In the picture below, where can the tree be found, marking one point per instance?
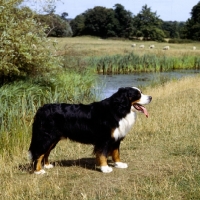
(56, 25)
(64, 15)
(103, 22)
(99, 21)
(78, 25)
(124, 19)
(172, 29)
(24, 47)
(192, 26)
(148, 25)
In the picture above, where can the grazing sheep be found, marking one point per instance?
(133, 45)
(194, 48)
(152, 46)
(166, 48)
(141, 46)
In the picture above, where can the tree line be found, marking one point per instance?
(119, 22)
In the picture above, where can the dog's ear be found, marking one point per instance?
(121, 100)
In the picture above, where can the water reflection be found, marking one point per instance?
(108, 84)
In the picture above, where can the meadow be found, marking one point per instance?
(119, 57)
(162, 152)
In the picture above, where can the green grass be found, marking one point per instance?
(19, 102)
(130, 63)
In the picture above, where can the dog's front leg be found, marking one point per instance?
(102, 161)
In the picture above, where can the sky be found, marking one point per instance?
(167, 10)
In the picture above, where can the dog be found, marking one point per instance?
(103, 124)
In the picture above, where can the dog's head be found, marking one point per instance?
(133, 97)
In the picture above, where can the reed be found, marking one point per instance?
(19, 102)
(130, 63)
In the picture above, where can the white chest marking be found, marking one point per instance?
(125, 125)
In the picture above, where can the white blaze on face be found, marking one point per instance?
(145, 99)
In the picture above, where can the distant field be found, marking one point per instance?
(93, 46)
(109, 56)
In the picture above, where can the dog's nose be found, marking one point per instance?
(150, 98)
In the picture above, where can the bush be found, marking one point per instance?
(57, 27)
(24, 47)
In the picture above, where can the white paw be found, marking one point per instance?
(49, 166)
(39, 172)
(121, 165)
(106, 169)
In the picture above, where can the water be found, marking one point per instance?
(109, 84)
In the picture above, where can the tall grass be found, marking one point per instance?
(19, 102)
(129, 63)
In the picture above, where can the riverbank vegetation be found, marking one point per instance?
(120, 57)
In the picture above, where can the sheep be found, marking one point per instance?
(152, 46)
(194, 48)
(141, 46)
(166, 48)
(133, 45)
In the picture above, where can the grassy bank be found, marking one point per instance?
(20, 100)
(163, 154)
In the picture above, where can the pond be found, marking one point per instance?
(109, 84)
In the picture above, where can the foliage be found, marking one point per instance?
(192, 26)
(78, 25)
(124, 19)
(103, 22)
(148, 25)
(131, 63)
(99, 21)
(24, 49)
(172, 29)
(58, 26)
(20, 100)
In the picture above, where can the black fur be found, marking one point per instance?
(88, 124)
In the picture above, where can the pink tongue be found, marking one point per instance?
(144, 110)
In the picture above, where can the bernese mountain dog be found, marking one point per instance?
(103, 124)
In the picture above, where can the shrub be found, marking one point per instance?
(24, 47)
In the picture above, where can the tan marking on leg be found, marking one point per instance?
(101, 160)
(115, 155)
(39, 163)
